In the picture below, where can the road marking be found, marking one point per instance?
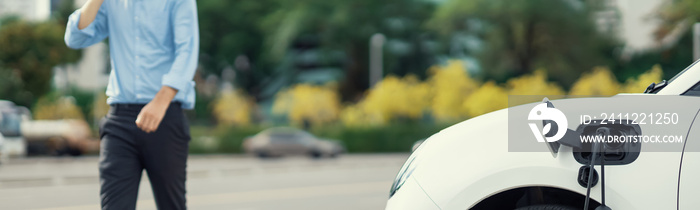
(263, 195)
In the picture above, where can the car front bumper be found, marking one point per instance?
(411, 196)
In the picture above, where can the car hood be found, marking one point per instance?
(459, 156)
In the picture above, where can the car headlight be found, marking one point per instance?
(405, 172)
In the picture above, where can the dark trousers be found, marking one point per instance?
(126, 150)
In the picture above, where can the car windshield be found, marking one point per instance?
(684, 70)
(656, 90)
(282, 135)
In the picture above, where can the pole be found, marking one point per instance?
(696, 41)
(376, 44)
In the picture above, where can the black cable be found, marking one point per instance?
(602, 179)
(590, 174)
(602, 175)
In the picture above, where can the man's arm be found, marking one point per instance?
(186, 40)
(87, 25)
(88, 13)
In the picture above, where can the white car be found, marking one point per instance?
(501, 160)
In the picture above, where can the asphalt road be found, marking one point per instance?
(214, 182)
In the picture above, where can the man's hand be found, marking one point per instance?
(152, 114)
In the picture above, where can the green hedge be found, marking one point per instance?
(397, 137)
(222, 139)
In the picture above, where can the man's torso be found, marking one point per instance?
(142, 49)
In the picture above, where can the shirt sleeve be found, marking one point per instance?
(186, 42)
(95, 32)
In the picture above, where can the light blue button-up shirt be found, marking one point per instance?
(152, 43)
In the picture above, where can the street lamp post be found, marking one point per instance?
(376, 45)
(696, 41)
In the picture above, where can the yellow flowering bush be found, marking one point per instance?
(391, 98)
(48, 108)
(308, 103)
(450, 86)
(639, 84)
(487, 98)
(101, 108)
(533, 84)
(600, 82)
(449, 94)
(396, 97)
(233, 107)
(354, 116)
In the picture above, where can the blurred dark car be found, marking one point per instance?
(282, 141)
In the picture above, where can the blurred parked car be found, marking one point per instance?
(58, 137)
(282, 141)
(11, 116)
(2, 139)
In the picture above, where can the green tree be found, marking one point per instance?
(522, 36)
(676, 49)
(347, 26)
(676, 13)
(231, 30)
(261, 40)
(11, 88)
(29, 52)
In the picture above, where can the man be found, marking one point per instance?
(154, 46)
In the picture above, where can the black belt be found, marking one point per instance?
(120, 107)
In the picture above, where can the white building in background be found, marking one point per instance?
(631, 21)
(638, 23)
(33, 10)
(90, 73)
